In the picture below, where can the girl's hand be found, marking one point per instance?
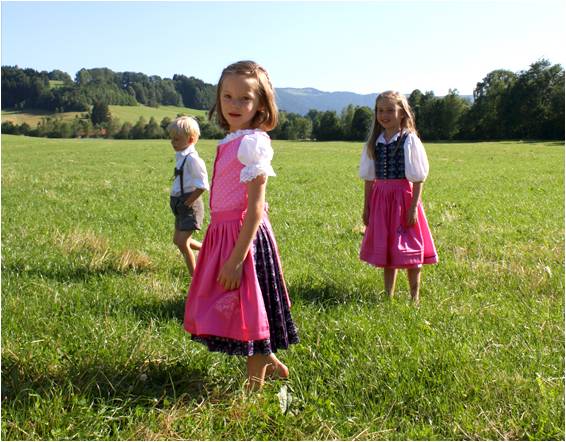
(365, 216)
(411, 216)
(230, 275)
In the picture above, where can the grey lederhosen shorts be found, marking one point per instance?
(187, 218)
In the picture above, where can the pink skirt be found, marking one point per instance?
(388, 241)
(210, 310)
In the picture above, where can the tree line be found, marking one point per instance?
(56, 91)
(506, 105)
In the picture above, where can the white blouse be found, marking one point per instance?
(194, 172)
(416, 161)
(255, 153)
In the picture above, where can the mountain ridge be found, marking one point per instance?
(301, 100)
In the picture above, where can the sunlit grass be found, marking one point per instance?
(93, 298)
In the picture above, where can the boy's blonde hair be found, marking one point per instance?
(266, 118)
(407, 123)
(184, 125)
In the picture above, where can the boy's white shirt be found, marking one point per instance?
(194, 171)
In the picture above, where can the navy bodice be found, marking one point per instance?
(390, 160)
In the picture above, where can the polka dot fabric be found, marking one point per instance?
(227, 192)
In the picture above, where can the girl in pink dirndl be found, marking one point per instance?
(394, 166)
(238, 302)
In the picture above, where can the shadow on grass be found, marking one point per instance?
(327, 294)
(323, 295)
(73, 273)
(151, 385)
(551, 143)
(168, 309)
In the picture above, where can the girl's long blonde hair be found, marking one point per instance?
(407, 123)
(266, 118)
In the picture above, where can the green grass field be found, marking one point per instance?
(93, 297)
(123, 113)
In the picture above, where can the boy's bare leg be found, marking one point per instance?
(414, 276)
(195, 245)
(389, 278)
(182, 239)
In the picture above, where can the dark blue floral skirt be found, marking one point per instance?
(282, 330)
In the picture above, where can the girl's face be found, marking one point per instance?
(239, 101)
(389, 115)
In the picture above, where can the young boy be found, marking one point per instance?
(191, 180)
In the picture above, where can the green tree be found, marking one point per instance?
(138, 131)
(415, 101)
(529, 106)
(361, 123)
(25, 128)
(196, 93)
(329, 128)
(209, 130)
(153, 130)
(125, 131)
(428, 122)
(100, 113)
(81, 127)
(452, 109)
(484, 119)
(111, 127)
(303, 128)
(165, 122)
(346, 117)
(8, 127)
(60, 76)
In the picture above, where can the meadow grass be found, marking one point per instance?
(123, 113)
(93, 297)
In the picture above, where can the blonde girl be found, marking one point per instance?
(394, 166)
(238, 302)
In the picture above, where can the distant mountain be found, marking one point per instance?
(301, 100)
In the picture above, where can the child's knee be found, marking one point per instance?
(182, 240)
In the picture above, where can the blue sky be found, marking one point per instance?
(362, 47)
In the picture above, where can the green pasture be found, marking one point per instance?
(55, 84)
(133, 113)
(123, 113)
(93, 297)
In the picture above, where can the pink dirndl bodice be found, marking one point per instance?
(210, 310)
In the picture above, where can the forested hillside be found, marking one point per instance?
(57, 91)
(527, 105)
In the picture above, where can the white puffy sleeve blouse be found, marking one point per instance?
(255, 153)
(416, 161)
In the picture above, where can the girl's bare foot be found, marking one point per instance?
(276, 369)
